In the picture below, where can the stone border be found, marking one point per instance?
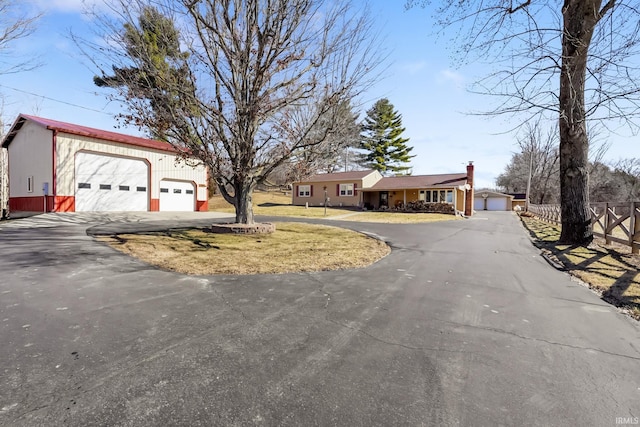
(257, 228)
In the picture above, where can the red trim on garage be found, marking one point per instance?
(202, 205)
(155, 205)
(65, 204)
(54, 143)
(29, 204)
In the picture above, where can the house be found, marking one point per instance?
(63, 167)
(487, 200)
(369, 189)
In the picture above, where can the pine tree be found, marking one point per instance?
(385, 149)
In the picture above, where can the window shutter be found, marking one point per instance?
(337, 189)
(311, 190)
(297, 190)
(355, 188)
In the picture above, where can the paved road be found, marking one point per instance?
(462, 324)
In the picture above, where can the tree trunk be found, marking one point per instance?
(580, 18)
(244, 202)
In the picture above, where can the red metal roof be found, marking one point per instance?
(86, 131)
(338, 176)
(419, 181)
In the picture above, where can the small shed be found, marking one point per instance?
(485, 200)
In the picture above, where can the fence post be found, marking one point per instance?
(634, 228)
(607, 241)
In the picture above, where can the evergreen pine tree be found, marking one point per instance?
(385, 150)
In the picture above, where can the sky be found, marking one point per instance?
(420, 80)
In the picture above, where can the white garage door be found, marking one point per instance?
(177, 196)
(497, 204)
(107, 183)
(478, 204)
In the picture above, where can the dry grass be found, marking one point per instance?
(399, 217)
(612, 273)
(293, 247)
(276, 204)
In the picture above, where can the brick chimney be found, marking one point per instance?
(468, 204)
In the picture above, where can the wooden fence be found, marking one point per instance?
(614, 222)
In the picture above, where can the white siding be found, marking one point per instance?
(30, 155)
(109, 183)
(162, 164)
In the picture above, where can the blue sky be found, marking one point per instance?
(420, 82)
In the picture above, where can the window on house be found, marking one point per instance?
(449, 196)
(422, 196)
(189, 191)
(30, 184)
(442, 196)
(84, 185)
(434, 196)
(164, 190)
(123, 188)
(177, 191)
(304, 191)
(105, 186)
(346, 189)
(141, 188)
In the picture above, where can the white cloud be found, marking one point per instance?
(413, 68)
(452, 77)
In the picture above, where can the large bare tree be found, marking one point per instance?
(577, 59)
(251, 86)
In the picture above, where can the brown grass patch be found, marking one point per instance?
(276, 204)
(294, 247)
(615, 275)
(399, 217)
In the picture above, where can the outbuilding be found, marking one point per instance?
(63, 167)
(485, 200)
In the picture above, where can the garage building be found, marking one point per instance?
(62, 167)
(485, 200)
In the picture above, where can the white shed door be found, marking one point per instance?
(478, 204)
(497, 204)
(107, 183)
(177, 196)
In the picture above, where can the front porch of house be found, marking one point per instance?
(401, 199)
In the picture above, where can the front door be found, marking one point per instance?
(384, 198)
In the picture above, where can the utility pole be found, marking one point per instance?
(526, 202)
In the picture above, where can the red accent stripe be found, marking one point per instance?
(155, 205)
(202, 205)
(64, 203)
(54, 142)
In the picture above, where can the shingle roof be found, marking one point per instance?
(338, 176)
(419, 181)
(86, 131)
(478, 194)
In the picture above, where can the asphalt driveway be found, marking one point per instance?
(462, 324)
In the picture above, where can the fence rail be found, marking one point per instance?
(614, 222)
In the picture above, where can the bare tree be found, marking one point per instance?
(15, 24)
(539, 157)
(256, 79)
(628, 172)
(577, 59)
